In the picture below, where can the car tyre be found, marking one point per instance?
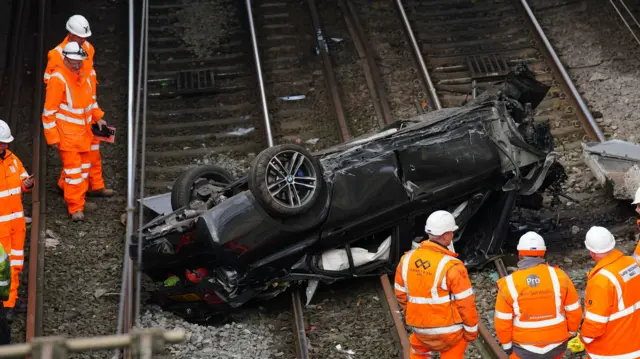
(182, 191)
(281, 189)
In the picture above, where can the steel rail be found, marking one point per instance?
(418, 54)
(328, 70)
(302, 348)
(263, 94)
(588, 121)
(377, 88)
(39, 196)
(633, 33)
(143, 157)
(126, 265)
(394, 309)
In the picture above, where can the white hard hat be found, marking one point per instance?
(531, 244)
(636, 200)
(74, 51)
(5, 133)
(440, 222)
(599, 240)
(79, 26)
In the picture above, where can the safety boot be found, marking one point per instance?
(77, 216)
(103, 192)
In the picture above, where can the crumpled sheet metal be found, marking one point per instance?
(616, 166)
(439, 126)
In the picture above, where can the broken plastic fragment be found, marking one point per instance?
(312, 285)
(293, 98)
(242, 131)
(171, 281)
(494, 276)
(312, 141)
(346, 351)
(51, 243)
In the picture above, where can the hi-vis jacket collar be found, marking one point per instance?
(437, 248)
(6, 154)
(610, 258)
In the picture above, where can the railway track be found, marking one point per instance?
(201, 108)
(451, 55)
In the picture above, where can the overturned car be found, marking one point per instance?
(353, 209)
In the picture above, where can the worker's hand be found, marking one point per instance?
(469, 336)
(28, 182)
(56, 145)
(101, 123)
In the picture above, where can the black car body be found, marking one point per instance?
(370, 200)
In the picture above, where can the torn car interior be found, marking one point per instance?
(351, 210)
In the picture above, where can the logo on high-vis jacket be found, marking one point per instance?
(424, 264)
(533, 281)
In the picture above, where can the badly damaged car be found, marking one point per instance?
(351, 210)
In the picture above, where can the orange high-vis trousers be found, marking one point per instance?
(74, 178)
(419, 351)
(14, 245)
(96, 182)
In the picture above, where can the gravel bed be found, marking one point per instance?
(255, 333)
(350, 315)
(602, 59)
(203, 25)
(358, 107)
(83, 260)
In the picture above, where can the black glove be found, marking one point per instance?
(104, 132)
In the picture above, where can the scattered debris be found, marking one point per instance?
(346, 351)
(51, 243)
(614, 163)
(99, 292)
(598, 77)
(293, 98)
(242, 131)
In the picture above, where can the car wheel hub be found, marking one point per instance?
(291, 179)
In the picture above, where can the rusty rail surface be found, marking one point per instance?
(588, 122)
(39, 195)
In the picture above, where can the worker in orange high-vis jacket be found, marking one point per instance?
(433, 288)
(636, 202)
(68, 114)
(12, 223)
(612, 300)
(79, 31)
(537, 307)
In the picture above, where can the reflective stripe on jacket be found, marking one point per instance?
(11, 188)
(68, 108)
(612, 309)
(55, 59)
(537, 308)
(5, 274)
(434, 290)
